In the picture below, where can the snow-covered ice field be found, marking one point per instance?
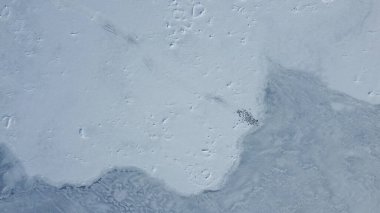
(189, 106)
(318, 151)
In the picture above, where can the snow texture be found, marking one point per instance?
(318, 151)
(168, 86)
(86, 86)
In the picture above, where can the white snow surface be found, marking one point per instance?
(86, 86)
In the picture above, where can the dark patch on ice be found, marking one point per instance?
(247, 117)
(216, 98)
(306, 157)
(129, 38)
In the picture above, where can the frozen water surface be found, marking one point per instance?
(318, 151)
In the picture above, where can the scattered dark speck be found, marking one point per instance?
(110, 28)
(247, 117)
